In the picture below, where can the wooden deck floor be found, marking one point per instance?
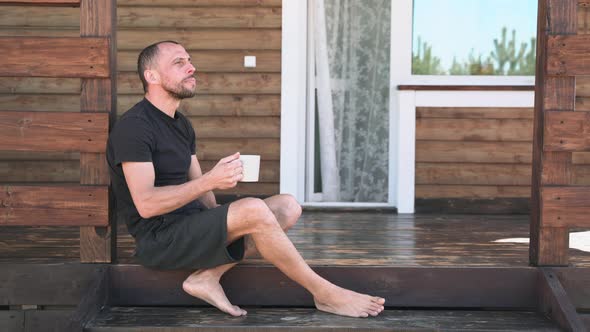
(337, 238)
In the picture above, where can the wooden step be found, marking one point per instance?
(118, 319)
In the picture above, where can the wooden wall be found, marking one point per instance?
(481, 153)
(473, 152)
(236, 109)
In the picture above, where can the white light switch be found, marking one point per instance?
(250, 61)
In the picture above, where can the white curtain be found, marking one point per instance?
(352, 78)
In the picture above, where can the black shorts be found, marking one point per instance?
(192, 241)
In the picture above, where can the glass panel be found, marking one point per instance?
(356, 47)
(474, 37)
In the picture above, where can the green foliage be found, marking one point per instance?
(503, 60)
(424, 63)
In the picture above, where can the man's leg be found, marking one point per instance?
(254, 218)
(204, 284)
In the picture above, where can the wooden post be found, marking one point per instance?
(98, 19)
(553, 92)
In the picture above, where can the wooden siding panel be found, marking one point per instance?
(473, 174)
(20, 16)
(36, 85)
(215, 149)
(581, 158)
(237, 127)
(200, 3)
(565, 206)
(54, 57)
(217, 105)
(30, 171)
(40, 32)
(45, 131)
(217, 61)
(43, 2)
(474, 129)
(567, 131)
(53, 206)
(203, 39)
(474, 113)
(466, 191)
(473, 152)
(40, 102)
(567, 55)
(199, 17)
(40, 156)
(215, 83)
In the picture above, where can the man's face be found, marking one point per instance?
(176, 71)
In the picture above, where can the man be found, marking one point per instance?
(170, 209)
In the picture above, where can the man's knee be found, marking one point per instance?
(292, 209)
(257, 213)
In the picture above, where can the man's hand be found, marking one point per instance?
(227, 172)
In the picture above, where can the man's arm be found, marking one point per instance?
(153, 201)
(195, 172)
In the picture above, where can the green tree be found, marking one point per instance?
(424, 63)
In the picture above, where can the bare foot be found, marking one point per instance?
(345, 302)
(205, 286)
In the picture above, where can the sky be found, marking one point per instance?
(454, 27)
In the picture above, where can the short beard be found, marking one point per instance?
(179, 92)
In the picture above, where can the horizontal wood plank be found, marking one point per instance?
(38, 156)
(50, 131)
(217, 148)
(580, 175)
(565, 206)
(202, 39)
(215, 83)
(30, 16)
(39, 171)
(473, 191)
(42, 2)
(473, 174)
(40, 102)
(217, 105)
(198, 17)
(54, 206)
(474, 152)
(201, 3)
(582, 103)
(219, 61)
(583, 85)
(474, 112)
(474, 130)
(566, 131)
(236, 127)
(568, 55)
(39, 85)
(581, 158)
(54, 57)
(70, 32)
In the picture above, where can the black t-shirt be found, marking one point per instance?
(146, 134)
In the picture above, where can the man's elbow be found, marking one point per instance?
(145, 211)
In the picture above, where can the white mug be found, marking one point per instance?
(251, 165)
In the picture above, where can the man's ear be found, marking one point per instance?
(151, 76)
